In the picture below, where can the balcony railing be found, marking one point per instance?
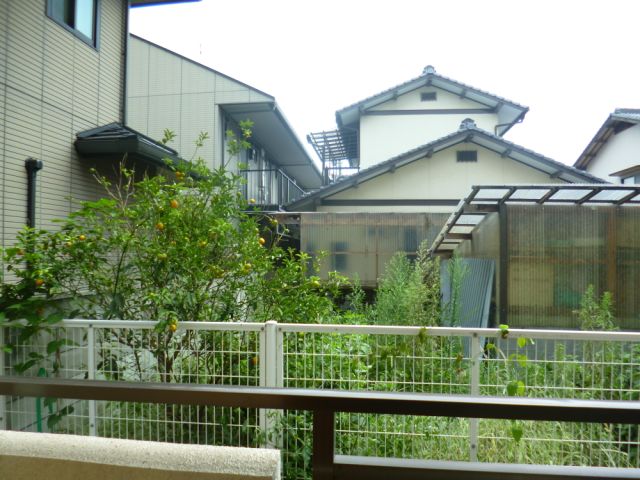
(325, 404)
(270, 187)
(479, 362)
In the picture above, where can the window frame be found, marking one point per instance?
(92, 42)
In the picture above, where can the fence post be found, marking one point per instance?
(270, 376)
(3, 399)
(91, 374)
(475, 390)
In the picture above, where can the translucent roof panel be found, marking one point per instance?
(469, 219)
(570, 195)
(490, 194)
(529, 194)
(610, 195)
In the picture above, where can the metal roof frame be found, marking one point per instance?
(486, 199)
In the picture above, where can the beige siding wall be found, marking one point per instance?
(52, 85)
(168, 91)
(440, 177)
(621, 151)
(383, 136)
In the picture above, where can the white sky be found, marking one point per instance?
(571, 61)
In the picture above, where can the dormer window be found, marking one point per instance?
(466, 156)
(80, 17)
(428, 96)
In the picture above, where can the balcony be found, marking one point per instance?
(450, 402)
(270, 188)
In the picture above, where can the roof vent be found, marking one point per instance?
(467, 123)
(429, 69)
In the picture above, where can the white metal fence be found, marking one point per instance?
(536, 363)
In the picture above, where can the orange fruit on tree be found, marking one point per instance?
(174, 203)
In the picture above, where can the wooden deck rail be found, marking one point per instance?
(326, 403)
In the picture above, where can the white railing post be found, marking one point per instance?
(91, 374)
(3, 399)
(270, 376)
(475, 390)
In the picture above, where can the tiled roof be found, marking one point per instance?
(620, 116)
(475, 135)
(510, 112)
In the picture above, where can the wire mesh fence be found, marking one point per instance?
(534, 363)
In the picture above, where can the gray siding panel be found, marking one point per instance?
(52, 85)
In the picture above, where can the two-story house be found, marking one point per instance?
(62, 71)
(420, 147)
(167, 90)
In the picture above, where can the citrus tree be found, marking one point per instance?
(180, 246)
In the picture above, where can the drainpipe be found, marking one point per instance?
(32, 165)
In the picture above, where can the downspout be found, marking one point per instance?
(125, 70)
(33, 166)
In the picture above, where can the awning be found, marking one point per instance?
(114, 141)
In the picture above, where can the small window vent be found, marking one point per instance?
(428, 96)
(467, 156)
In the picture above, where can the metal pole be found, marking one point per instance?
(270, 418)
(475, 390)
(91, 373)
(3, 399)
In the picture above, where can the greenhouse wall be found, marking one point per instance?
(555, 252)
(363, 243)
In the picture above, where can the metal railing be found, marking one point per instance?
(271, 187)
(479, 362)
(326, 404)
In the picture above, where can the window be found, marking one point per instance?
(467, 156)
(633, 179)
(78, 16)
(428, 97)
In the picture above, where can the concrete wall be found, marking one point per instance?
(439, 177)
(165, 90)
(620, 152)
(383, 136)
(34, 456)
(52, 85)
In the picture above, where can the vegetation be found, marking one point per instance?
(186, 246)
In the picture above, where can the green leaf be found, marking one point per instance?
(517, 431)
(515, 388)
(23, 367)
(522, 342)
(504, 330)
(522, 360)
(54, 318)
(53, 420)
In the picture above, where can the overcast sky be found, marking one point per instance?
(571, 62)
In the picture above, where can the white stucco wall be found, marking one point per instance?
(440, 177)
(620, 152)
(388, 135)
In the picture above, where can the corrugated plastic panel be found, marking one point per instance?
(363, 243)
(556, 252)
